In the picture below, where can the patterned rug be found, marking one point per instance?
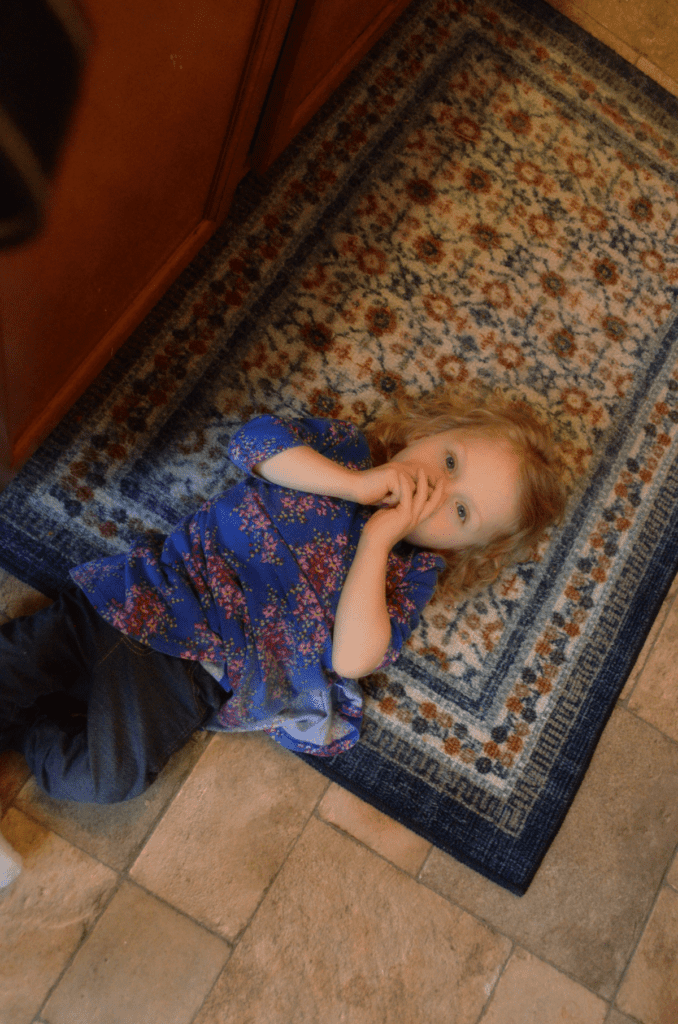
(493, 196)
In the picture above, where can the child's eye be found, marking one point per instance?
(451, 462)
(461, 512)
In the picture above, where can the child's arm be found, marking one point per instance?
(362, 628)
(304, 469)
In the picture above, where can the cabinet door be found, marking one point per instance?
(325, 41)
(171, 96)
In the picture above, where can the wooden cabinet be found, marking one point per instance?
(171, 99)
(326, 39)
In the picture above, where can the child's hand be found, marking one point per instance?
(382, 485)
(417, 502)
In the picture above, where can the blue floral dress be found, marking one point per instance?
(249, 586)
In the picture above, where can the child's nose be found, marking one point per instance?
(447, 484)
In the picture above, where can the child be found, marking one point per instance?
(264, 608)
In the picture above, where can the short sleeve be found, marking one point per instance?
(410, 585)
(266, 436)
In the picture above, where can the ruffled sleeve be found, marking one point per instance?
(266, 436)
(410, 583)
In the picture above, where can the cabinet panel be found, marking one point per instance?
(326, 40)
(161, 88)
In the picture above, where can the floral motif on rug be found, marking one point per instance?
(484, 200)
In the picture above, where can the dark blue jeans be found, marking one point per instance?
(96, 714)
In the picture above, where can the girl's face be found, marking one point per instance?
(481, 485)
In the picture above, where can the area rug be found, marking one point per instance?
(491, 196)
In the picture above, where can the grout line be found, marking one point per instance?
(156, 822)
(240, 936)
(292, 846)
(421, 870)
(365, 846)
(105, 904)
(135, 850)
(638, 669)
(519, 943)
(515, 944)
(641, 932)
(122, 877)
(615, 1009)
(500, 975)
(655, 728)
(182, 913)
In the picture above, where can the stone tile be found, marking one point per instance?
(649, 644)
(17, 598)
(143, 964)
(647, 26)
(532, 992)
(655, 695)
(13, 774)
(229, 829)
(381, 833)
(672, 874)
(581, 14)
(113, 833)
(615, 1017)
(584, 910)
(343, 936)
(650, 988)
(44, 914)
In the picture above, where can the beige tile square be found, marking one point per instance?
(143, 964)
(647, 26)
(343, 937)
(672, 874)
(585, 908)
(17, 598)
(655, 695)
(44, 914)
(648, 646)
(606, 31)
(532, 992)
(113, 833)
(650, 988)
(229, 829)
(616, 1017)
(381, 833)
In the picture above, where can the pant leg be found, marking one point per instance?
(41, 655)
(142, 705)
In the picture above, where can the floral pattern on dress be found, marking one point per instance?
(252, 580)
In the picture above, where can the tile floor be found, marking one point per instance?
(245, 889)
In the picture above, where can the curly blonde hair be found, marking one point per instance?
(490, 413)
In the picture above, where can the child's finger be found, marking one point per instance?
(421, 493)
(434, 501)
(407, 490)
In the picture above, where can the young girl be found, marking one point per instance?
(264, 608)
